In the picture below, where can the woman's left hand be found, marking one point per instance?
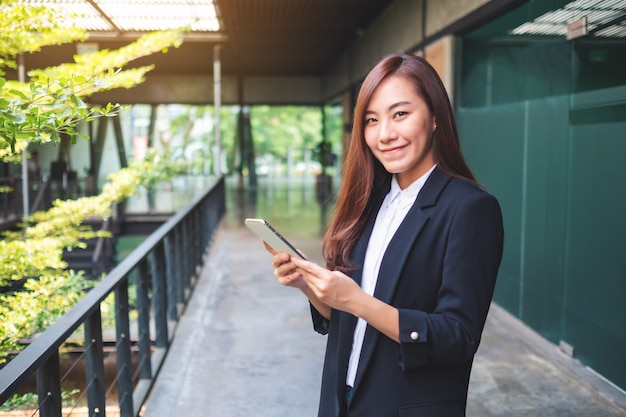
(337, 290)
(333, 288)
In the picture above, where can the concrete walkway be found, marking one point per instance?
(245, 348)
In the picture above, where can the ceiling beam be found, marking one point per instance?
(104, 36)
(616, 21)
(103, 15)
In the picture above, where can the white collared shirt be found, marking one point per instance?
(392, 212)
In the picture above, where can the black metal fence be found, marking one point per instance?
(10, 201)
(42, 191)
(164, 269)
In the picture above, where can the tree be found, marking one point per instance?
(51, 102)
(49, 105)
(33, 256)
(277, 128)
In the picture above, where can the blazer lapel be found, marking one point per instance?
(396, 255)
(400, 245)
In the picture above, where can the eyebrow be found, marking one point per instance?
(393, 106)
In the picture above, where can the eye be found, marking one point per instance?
(400, 114)
(370, 120)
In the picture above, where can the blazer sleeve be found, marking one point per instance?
(471, 256)
(320, 323)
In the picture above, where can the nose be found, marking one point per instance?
(387, 131)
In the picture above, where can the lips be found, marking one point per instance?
(390, 150)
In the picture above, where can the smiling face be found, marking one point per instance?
(398, 129)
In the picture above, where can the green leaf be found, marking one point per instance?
(18, 118)
(19, 94)
(52, 101)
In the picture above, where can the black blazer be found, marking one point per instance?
(439, 270)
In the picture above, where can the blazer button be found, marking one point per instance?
(414, 335)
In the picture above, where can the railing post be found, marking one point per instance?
(49, 387)
(94, 365)
(5, 205)
(199, 229)
(207, 221)
(124, 359)
(143, 320)
(159, 295)
(173, 283)
(187, 261)
(192, 232)
(179, 266)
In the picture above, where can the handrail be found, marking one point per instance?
(41, 194)
(10, 200)
(100, 252)
(165, 267)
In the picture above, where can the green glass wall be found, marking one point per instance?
(543, 125)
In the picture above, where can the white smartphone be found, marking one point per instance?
(272, 237)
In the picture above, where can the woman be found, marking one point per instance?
(412, 255)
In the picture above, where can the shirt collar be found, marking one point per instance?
(409, 194)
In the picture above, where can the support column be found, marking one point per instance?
(119, 140)
(21, 71)
(217, 99)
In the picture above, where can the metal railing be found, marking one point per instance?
(10, 201)
(164, 269)
(42, 192)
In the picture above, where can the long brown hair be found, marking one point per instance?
(363, 174)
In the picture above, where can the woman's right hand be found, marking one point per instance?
(284, 269)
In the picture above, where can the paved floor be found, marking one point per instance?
(245, 347)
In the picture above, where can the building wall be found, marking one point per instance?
(404, 25)
(542, 123)
(199, 90)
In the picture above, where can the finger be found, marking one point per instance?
(290, 279)
(281, 258)
(269, 248)
(308, 266)
(312, 280)
(284, 269)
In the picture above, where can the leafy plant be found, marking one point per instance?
(43, 109)
(17, 401)
(30, 400)
(52, 102)
(33, 256)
